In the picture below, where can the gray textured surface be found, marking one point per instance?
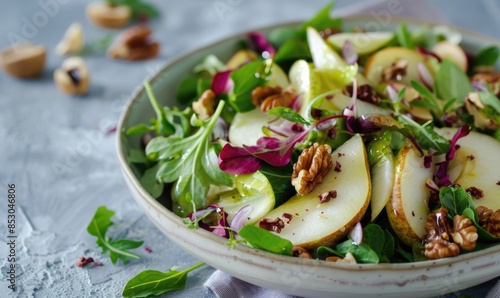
(58, 152)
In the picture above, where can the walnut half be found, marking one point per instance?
(267, 97)
(444, 239)
(204, 106)
(489, 220)
(311, 167)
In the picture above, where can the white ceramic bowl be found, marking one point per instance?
(311, 278)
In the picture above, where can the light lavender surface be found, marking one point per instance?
(58, 152)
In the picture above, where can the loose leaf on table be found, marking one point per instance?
(451, 82)
(246, 79)
(118, 249)
(154, 283)
(265, 240)
(190, 161)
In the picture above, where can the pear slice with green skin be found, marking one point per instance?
(324, 57)
(381, 163)
(476, 164)
(364, 42)
(251, 189)
(313, 223)
(278, 77)
(407, 208)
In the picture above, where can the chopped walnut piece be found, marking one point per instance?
(134, 44)
(396, 71)
(267, 97)
(273, 225)
(204, 106)
(444, 239)
(300, 252)
(489, 220)
(475, 192)
(311, 167)
(348, 259)
(327, 196)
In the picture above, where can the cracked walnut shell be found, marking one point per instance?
(312, 166)
(134, 44)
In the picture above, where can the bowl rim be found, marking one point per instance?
(128, 173)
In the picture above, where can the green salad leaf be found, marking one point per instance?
(138, 7)
(487, 56)
(451, 82)
(265, 240)
(190, 162)
(322, 21)
(246, 79)
(404, 37)
(150, 283)
(118, 249)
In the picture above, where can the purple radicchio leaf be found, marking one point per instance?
(261, 44)
(442, 177)
(221, 226)
(428, 53)
(222, 83)
(237, 160)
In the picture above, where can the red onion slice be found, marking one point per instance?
(240, 218)
(392, 93)
(356, 234)
(349, 53)
(425, 76)
(428, 53)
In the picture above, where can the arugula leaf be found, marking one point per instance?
(190, 161)
(139, 130)
(246, 79)
(118, 249)
(288, 114)
(322, 21)
(154, 283)
(487, 56)
(428, 99)
(451, 82)
(265, 240)
(427, 138)
(404, 37)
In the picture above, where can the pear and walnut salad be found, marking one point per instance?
(334, 143)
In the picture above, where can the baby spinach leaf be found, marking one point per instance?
(487, 56)
(118, 249)
(388, 249)
(246, 79)
(451, 82)
(151, 184)
(363, 253)
(154, 283)
(455, 199)
(293, 50)
(374, 237)
(279, 177)
(186, 91)
(491, 100)
(265, 240)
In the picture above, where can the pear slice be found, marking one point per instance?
(363, 42)
(407, 208)
(476, 164)
(246, 128)
(381, 60)
(313, 223)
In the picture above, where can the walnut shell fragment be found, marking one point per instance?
(73, 77)
(108, 16)
(23, 60)
(134, 44)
